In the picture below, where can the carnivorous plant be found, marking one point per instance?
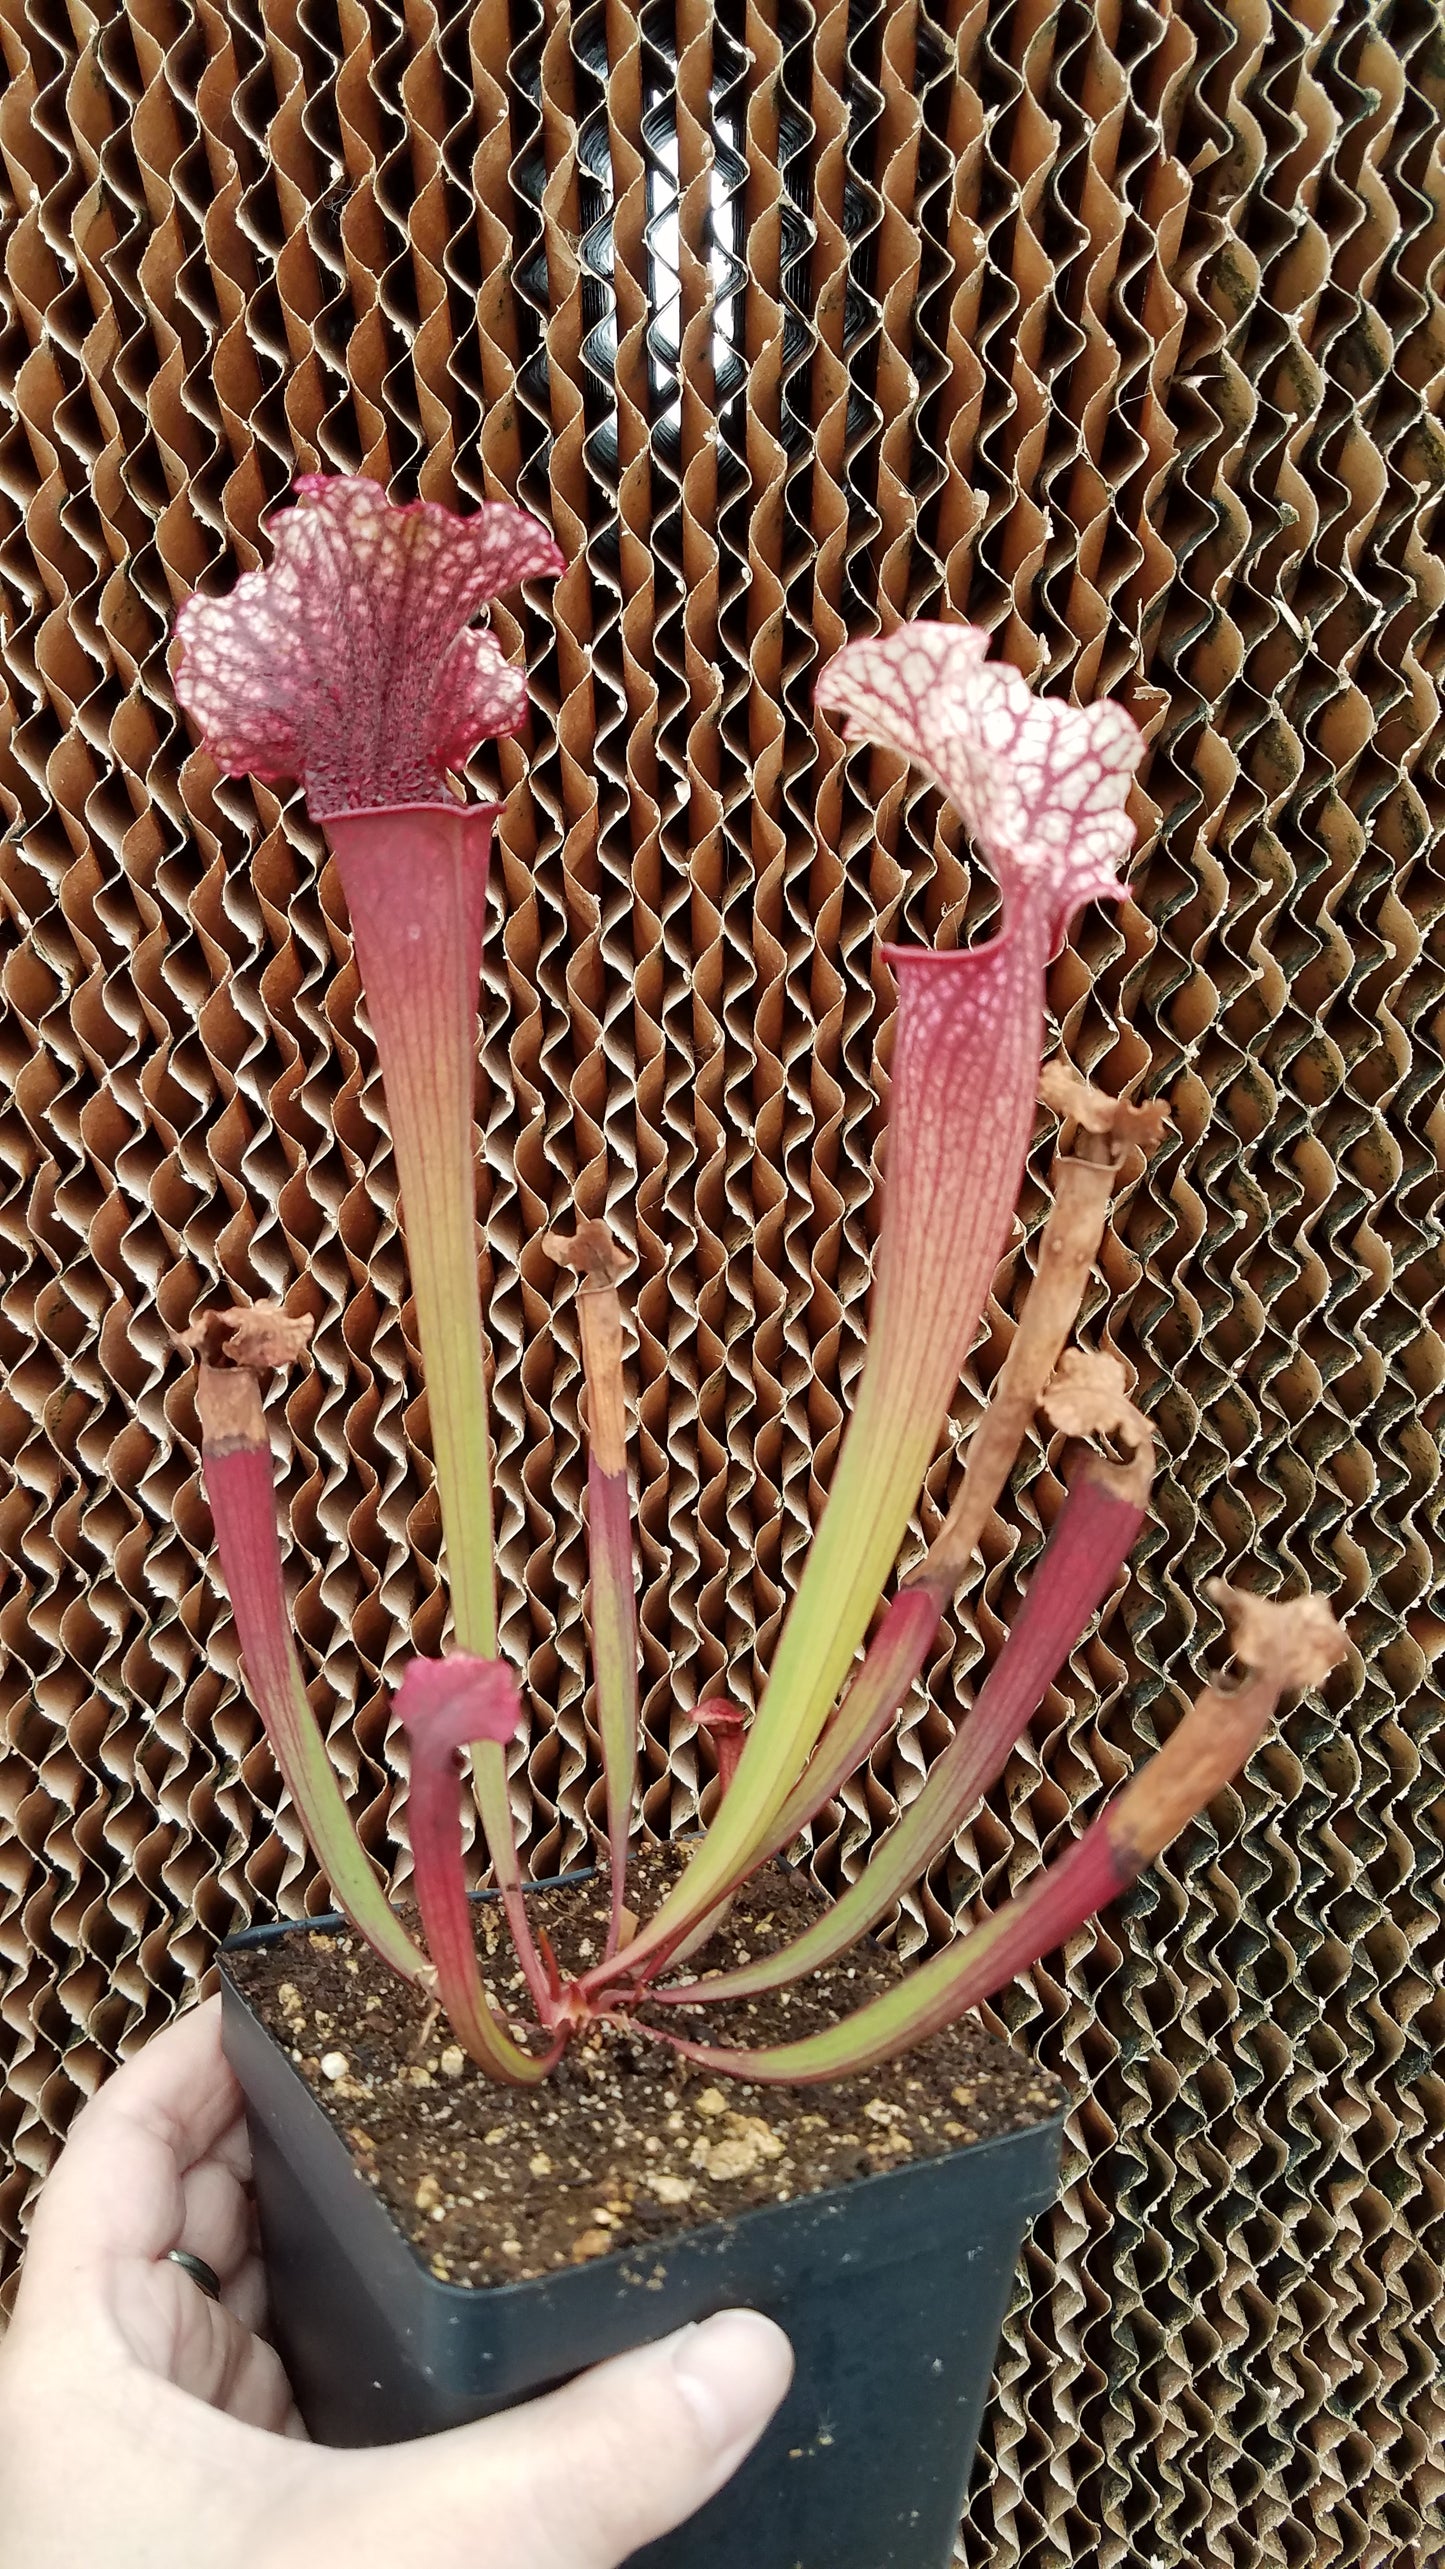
(351, 665)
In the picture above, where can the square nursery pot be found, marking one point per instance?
(892, 2289)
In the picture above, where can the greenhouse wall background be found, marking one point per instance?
(1119, 330)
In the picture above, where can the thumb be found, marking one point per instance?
(586, 2476)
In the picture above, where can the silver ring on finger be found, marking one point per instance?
(198, 2270)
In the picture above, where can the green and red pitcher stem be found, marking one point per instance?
(597, 1261)
(415, 881)
(1092, 1872)
(1211, 1743)
(448, 1705)
(612, 1583)
(489, 1784)
(965, 1074)
(240, 1484)
(868, 1710)
(1097, 1527)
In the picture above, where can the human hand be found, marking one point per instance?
(144, 2426)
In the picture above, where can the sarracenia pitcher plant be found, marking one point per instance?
(351, 665)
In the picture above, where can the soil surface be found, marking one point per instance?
(626, 2142)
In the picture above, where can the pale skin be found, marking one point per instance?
(143, 2426)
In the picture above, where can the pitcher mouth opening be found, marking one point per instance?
(452, 807)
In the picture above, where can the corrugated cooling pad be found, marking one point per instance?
(1118, 329)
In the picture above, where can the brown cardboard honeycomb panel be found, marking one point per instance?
(1118, 329)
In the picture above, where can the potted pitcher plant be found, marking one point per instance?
(497, 2139)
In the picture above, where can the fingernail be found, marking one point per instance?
(732, 2371)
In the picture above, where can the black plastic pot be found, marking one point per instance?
(892, 2290)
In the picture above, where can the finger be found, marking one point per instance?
(225, 2364)
(258, 2392)
(181, 2085)
(175, 2331)
(233, 2149)
(246, 2296)
(216, 2219)
(116, 2187)
(585, 2477)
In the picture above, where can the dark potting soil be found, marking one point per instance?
(626, 2142)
